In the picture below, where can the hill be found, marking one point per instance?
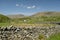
(45, 17)
(39, 17)
(16, 16)
(46, 14)
(4, 18)
(36, 18)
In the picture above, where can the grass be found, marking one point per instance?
(4, 24)
(26, 24)
(41, 37)
(34, 21)
(38, 19)
(54, 37)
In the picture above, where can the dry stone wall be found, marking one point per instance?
(26, 33)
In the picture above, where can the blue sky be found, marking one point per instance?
(28, 7)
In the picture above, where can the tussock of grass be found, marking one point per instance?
(54, 37)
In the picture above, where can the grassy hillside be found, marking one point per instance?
(46, 14)
(4, 18)
(39, 18)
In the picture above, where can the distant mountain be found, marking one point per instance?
(4, 18)
(35, 15)
(16, 16)
(46, 14)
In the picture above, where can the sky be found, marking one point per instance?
(28, 7)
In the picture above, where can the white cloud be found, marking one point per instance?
(24, 6)
(31, 7)
(17, 5)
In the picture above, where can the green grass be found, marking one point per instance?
(54, 37)
(38, 19)
(4, 24)
(4, 18)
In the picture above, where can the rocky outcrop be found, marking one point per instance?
(26, 33)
